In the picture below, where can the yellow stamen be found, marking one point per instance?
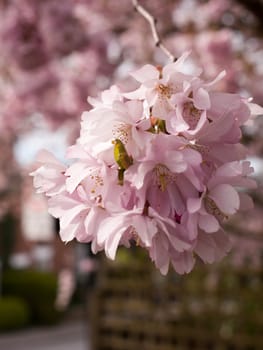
(163, 176)
(213, 209)
(122, 131)
(164, 90)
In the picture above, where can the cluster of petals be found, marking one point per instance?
(161, 167)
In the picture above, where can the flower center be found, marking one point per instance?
(163, 176)
(164, 90)
(191, 115)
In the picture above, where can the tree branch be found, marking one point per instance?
(153, 21)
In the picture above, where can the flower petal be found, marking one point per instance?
(208, 223)
(146, 73)
(194, 204)
(201, 99)
(226, 198)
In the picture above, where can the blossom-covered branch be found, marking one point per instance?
(153, 21)
(160, 166)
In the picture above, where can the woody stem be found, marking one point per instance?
(153, 21)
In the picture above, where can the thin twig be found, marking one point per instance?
(153, 21)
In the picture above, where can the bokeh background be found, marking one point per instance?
(53, 55)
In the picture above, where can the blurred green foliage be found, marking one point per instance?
(14, 313)
(38, 289)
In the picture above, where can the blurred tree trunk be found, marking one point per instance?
(7, 238)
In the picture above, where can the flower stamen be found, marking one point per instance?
(204, 150)
(213, 209)
(163, 176)
(191, 114)
(121, 131)
(164, 91)
(96, 180)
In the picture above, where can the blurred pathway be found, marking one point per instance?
(70, 334)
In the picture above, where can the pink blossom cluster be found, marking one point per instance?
(161, 166)
(51, 59)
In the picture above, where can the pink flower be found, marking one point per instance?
(163, 252)
(166, 175)
(123, 120)
(186, 118)
(214, 206)
(213, 247)
(75, 212)
(159, 84)
(191, 107)
(221, 199)
(50, 177)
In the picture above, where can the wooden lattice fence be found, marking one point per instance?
(213, 308)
